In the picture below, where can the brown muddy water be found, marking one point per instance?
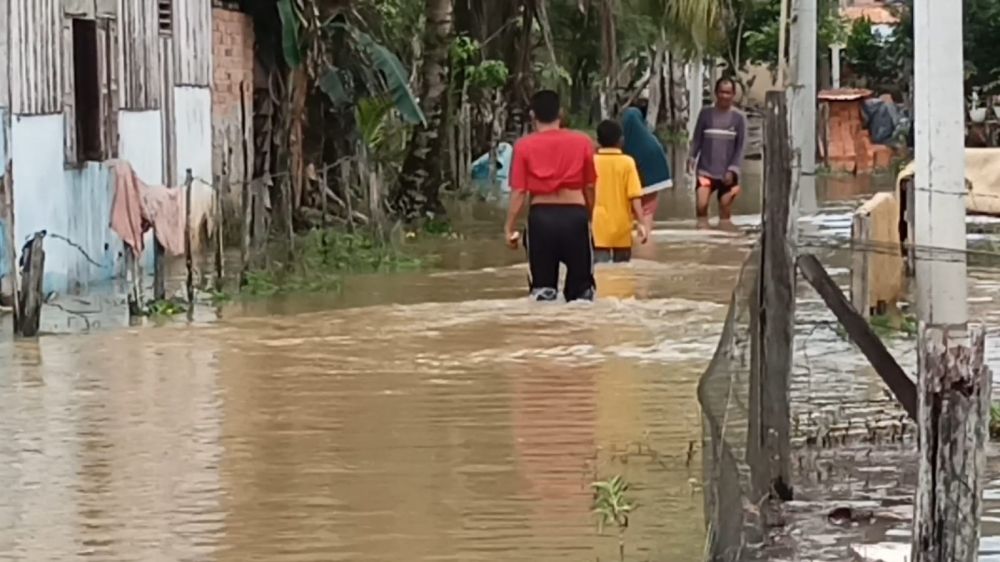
(426, 416)
(411, 417)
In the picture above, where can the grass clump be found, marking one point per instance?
(321, 257)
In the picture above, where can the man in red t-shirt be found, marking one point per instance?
(553, 171)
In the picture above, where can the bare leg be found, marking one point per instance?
(726, 205)
(704, 198)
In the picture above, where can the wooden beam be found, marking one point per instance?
(861, 333)
(775, 328)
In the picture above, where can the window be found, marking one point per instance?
(87, 91)
(165, 12)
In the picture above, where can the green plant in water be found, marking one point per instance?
(889, 325)
(612, 507)
(166, 308)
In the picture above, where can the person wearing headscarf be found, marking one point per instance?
(651, 159)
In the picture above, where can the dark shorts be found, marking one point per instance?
(612, 255)
(560, 234)
(718, 186)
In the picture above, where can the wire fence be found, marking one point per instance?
(732, 511)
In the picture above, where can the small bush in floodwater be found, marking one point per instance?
(612, 507)
(167, 308)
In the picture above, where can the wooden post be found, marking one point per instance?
(31, 294)
(11, 245)
(954, 389)
(771, 431)
(222, 187)
(953, 386)
(259, 188)
(247, 204)
(188, 258)
(133, 283)
(860, 263)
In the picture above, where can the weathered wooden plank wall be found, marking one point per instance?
(167, 111)
(4, 56)
(193, 43)
(138, 50)
(36, 57)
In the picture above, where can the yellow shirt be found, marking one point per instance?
(617, 184)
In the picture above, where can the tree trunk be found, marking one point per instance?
(422, 174)
(656, 84)
(609, 59)
(678, 93)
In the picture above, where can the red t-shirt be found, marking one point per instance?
(548, 161)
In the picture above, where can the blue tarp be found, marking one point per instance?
(481, 166)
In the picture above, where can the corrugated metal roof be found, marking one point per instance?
(844, 94)
(876, 14)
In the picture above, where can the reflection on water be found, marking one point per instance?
(431, 416)
(418, 416)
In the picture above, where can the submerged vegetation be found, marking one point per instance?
(321, 257)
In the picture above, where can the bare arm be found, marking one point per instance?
(696, 138)
(736, 162)
(590, 196)
(518, 199)
(637, 209)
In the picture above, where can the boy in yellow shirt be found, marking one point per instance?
(618, 198)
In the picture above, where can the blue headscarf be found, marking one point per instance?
(649, 155)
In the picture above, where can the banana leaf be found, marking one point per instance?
(289, 33)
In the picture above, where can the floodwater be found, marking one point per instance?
(426, 416)
(414, 417)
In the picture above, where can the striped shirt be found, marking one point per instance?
(718, 142)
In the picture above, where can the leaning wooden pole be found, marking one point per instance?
(774, 328)
(188, 251)
(953, 386)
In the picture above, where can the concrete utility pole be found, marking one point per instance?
(802, 101)
(835, 50)
(953, 385)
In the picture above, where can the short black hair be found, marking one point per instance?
(609, 133)
(724, 80)
(545, 105)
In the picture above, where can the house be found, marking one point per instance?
(86, 81)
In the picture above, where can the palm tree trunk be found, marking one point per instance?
(656, 84)
(422, 174)
(609, 59)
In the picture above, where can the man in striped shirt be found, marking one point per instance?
(717, 151)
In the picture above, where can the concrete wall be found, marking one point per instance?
(76, 202)
(232, 96)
